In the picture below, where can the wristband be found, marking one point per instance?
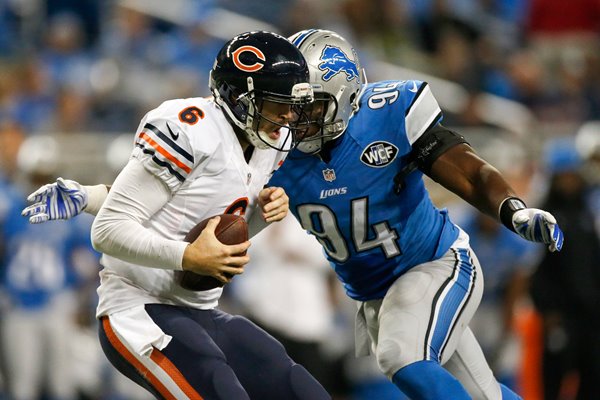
(508, 207)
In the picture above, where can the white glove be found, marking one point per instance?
(538, 226)
(63, 199)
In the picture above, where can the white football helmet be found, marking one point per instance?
(336, 78)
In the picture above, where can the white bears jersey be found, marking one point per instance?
(193, 149)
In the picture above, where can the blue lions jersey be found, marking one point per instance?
(370, 234)
(38, 259)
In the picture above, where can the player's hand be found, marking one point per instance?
(538, 226)
(62, 199)
(274, 204)
(207, 256)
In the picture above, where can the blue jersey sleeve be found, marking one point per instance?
(407, 106)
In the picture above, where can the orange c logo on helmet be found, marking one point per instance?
(248, 67)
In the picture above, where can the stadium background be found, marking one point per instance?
(513, 76)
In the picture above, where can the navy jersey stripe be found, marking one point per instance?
(168, 141)
(169, 167)
(164, 164)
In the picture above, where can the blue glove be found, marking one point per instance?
(538, 226)
(63, 199)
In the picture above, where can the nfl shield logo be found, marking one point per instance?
(329, 175)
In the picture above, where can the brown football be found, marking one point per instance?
(232, 229)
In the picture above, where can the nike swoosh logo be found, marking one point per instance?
(413, 89)
(175, 136)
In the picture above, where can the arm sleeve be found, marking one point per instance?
(96, 196)
(425, 150)
(256, 223)
(118, 228)
(432, 144)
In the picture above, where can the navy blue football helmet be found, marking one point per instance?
(255, 67)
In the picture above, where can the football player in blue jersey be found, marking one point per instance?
(355, 181)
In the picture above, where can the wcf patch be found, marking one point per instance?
(379, 154)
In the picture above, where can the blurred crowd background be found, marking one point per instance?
(519, 78)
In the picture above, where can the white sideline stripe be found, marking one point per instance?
(421, 115)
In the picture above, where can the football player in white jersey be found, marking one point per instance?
(192, 159)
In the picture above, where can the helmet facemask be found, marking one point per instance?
(322, 123)
(247, 112)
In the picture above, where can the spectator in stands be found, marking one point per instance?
(566, 286)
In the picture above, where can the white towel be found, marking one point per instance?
(138, 330)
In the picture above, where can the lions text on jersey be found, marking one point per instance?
(370, 234)
(192, 148)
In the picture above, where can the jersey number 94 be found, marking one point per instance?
(320, 220)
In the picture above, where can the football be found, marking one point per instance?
(232, 229)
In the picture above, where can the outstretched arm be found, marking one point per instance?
(463, 172)
(64, 199)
